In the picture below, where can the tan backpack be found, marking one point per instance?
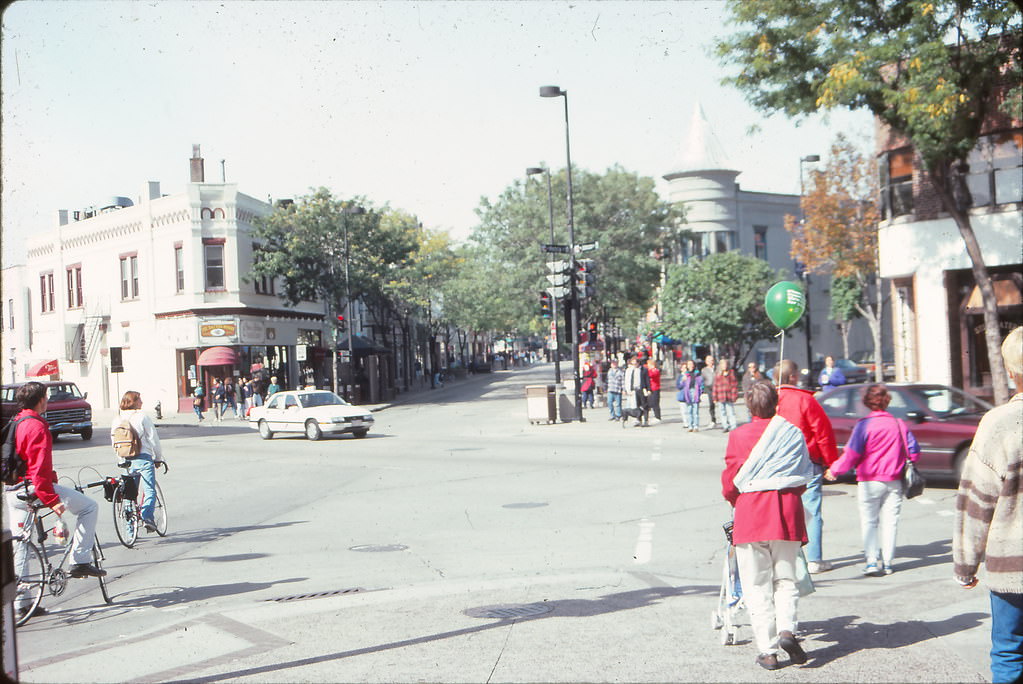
(127, 443)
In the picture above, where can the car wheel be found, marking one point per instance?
(959, 461)
(87, 434)
(264, 430)
(312, 430)
(359, 434)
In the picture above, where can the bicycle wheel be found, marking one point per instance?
(97, 558)
(31, 582)
(160, 512)
(125, 521)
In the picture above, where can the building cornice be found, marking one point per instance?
(241, 311)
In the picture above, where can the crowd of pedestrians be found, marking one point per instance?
(225, 394)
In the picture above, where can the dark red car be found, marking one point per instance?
(943, 419)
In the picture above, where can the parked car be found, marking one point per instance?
(67, 410)
(314, 412)
(866, 359)
(943, 419)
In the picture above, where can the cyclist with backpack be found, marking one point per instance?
(134, 438)
(34, 444)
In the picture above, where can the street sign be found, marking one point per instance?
(344, 355)
(558, 292)
(587, 247)
(556, 249)
(558, 279)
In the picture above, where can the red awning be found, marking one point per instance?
(39, 368)
(219, 356)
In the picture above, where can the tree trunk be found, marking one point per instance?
(843, 328)
(992, 335)
(872, 313)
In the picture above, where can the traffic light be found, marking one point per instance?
(545, 305)
(585, 278)
(341, 325)
(560, 277)
(593, 331)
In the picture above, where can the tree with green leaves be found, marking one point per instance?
(719, 301)
(845, 296)
(618, 209)
(932, 71)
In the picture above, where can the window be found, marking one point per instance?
(213, 255)
(129, 276)
(896, 172)
(996, 169)
(263, 284)
(47, 296)
(74, 286)
(760, 242)
(179, 268)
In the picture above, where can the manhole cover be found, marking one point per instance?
(509, 611)
(318, 594)
(526, 504)
(378, 548)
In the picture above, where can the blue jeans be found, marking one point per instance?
(614, 404)
(587, 398)
(143, 465)
(694, 415)
(812, 512)
(727, 414)
(1006, 637)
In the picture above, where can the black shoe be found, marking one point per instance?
(86, 570)
(23, 611)
(768, 661)
(150, 525)
(792, 647)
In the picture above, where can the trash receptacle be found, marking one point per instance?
(540, 407)
(566, 403)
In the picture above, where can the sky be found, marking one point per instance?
(426, 106)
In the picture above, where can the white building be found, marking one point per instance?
(725, 217)
(159, 282)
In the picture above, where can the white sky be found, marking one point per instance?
(426, 105)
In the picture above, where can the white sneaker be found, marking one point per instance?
(815, 567)
(655, 420)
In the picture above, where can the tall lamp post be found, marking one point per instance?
(531, 171)
(349, 210)
(808, 159)
(573, 298)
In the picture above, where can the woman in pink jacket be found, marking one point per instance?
(878, 449)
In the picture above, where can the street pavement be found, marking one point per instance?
(460, 543)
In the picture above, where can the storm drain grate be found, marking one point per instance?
(378, 548)
(509, 611)
(316, 595)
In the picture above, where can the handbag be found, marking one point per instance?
(804, 583)
(912, 481)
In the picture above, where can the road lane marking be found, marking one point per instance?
(645, 544)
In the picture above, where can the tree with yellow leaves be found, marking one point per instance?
(838, 235)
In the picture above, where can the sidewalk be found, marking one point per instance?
(102, 418)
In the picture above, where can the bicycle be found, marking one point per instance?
(125, 493)
(38, 573)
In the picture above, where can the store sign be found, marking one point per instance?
(253, 332)
(300, 352)
(223, 331)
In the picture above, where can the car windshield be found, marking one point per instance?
(321, 399)
(63, 393)
(948, 401)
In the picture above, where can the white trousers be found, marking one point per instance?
(880, 506)
(768, 574)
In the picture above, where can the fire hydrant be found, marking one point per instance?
(159, 410)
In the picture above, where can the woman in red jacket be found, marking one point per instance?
(766, 469)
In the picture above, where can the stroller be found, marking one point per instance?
(731, 607)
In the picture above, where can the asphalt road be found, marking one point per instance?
(460, 543)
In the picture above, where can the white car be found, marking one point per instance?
(314, 412)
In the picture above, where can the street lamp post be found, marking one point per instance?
(533, 170)
(349, 210)
(573, 299)
(810, 158)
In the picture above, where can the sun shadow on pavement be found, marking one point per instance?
(847, 636)
(564, 608)
(216, 533)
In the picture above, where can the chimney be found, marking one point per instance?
(152, 190)
(198, 175)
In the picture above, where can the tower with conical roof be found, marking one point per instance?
(703, 179)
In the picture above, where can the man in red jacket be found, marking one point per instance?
(34, 444)
(800, 408)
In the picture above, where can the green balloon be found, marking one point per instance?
(785, 303)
